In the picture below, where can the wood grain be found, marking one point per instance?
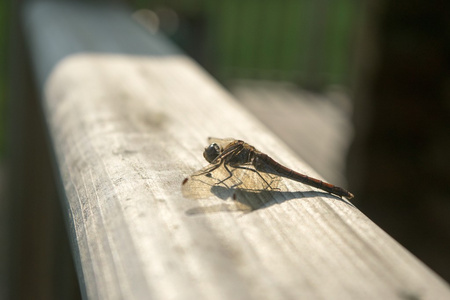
(128, 129)
(128, 118)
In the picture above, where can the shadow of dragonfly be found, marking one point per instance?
(251, 178)
(246, 201)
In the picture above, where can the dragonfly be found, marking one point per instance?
(236, 164)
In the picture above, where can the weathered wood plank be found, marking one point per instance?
(127, 129)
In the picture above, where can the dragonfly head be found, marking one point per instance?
(212, 152)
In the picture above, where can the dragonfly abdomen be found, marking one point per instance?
(291, 174)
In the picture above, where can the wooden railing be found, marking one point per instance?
(128, 116)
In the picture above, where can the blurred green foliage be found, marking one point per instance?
(4, 5)
(303, 41)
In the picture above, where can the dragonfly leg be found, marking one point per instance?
(207, 172)
(265, 181)
(230, 174)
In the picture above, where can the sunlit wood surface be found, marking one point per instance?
(127, 129)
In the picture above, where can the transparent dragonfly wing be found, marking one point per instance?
(201, 183)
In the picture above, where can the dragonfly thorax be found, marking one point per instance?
(244, 155)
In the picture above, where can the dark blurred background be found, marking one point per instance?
(360, 89)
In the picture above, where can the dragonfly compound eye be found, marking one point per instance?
(211, 152)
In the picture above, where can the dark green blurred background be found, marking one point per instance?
(4, 5)
(307, 42)
(392, 59)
